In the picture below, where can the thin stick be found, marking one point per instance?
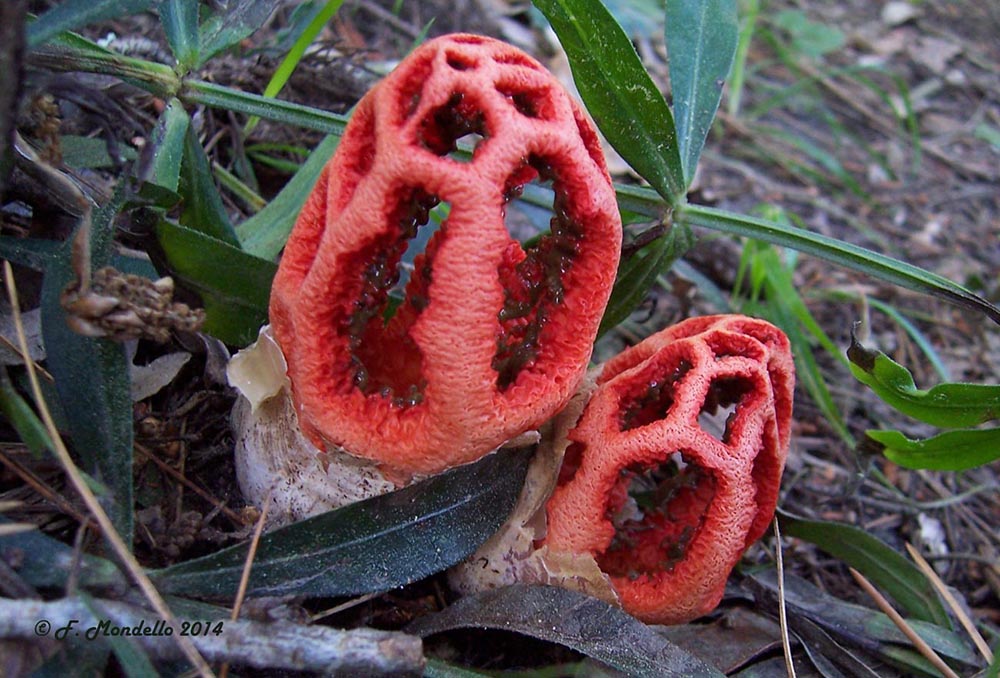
(95, 508)
(346, 605)
(17, 350)
(922, 647)
(241, 592)
(958, 610)
(786, 644)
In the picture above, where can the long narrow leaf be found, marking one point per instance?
(844, 254)
(887, 569)
(701, 41)
(92, 379)
(19, 414)
(180, 23)
(226, 28)
(587, 625)
(218, 96)
(373, 545)
(202, 209)
(618, 91)
(295, 54)
(264, 234)
(948, 451)
(46, 563)
(75, 13)
(164, 165)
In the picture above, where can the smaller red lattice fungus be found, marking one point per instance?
(663, 496)
(488, 338)
(661, 471)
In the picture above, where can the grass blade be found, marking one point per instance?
(264, 234)
(291, 60)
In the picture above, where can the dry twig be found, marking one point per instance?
(921, 646)
(281, 645)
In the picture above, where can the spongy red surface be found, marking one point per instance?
(492, 338)
(669, 563)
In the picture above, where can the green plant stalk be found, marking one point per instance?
(157, 79)
(246, 194)
(837, 252)
(294, 56)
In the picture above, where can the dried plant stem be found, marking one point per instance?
(241, 592)
(279, 645)
(958, 610)
(96, 510)
(786, 644)
(921, 646)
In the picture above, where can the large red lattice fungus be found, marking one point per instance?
(487, 338)
(665, 468)
(663, 496)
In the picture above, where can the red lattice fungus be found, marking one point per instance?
(664, 503)
(487, 338)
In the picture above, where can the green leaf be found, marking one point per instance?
(949, 405)
(217, 96)
(202, 209)
(92, 379)
(168, 141)
(75, 13)
(701, 42)
(637, 274)
(46, 563)
(180, 22)
(265, 233)
(372, 545)
(587, 625)
(19, 414)
(225, 29)
(618, 92)
(948, 451)
(886, 568)
(234, 286)
(835, 251)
